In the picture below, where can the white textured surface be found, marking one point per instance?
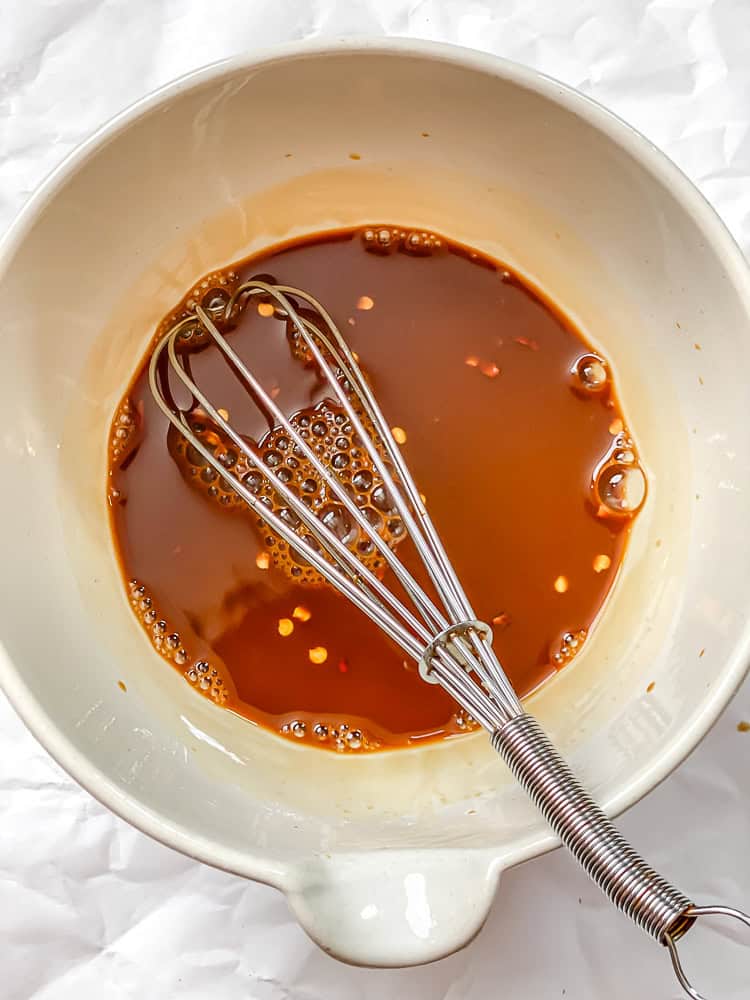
(89, 907)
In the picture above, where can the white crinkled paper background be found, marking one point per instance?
(89, 908)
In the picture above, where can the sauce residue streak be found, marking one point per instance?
(509, 423)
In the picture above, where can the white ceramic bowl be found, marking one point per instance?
(391, 859)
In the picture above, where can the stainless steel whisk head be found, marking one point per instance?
(440, 632)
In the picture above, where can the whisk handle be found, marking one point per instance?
(630, 883)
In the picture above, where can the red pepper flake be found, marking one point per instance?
(472, 361)
(275, 392)
(489, 369)
(503, 620)
(525, 342)
(651, 687)
(743, 727)
(343, 666)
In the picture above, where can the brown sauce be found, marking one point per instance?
(513, 434)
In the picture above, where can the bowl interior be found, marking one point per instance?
(245, 157)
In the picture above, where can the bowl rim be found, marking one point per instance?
(149, 820)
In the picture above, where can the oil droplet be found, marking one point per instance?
(621, 488)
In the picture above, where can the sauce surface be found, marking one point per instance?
(513, 434)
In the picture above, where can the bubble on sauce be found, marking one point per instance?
(339, 522)
(362, 481)
(590, 375)
(124, 433)
(462, 722)
(299, 348)
(203, 675)
(621, 489)
(390, 239)
(337, 735)
(215, 301)
(213, 294)
(568, 646)
(334, 436)
(619, 486)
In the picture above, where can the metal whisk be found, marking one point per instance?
(451, 646)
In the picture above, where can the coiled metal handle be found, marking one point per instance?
(631, 884)
(620, 872)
